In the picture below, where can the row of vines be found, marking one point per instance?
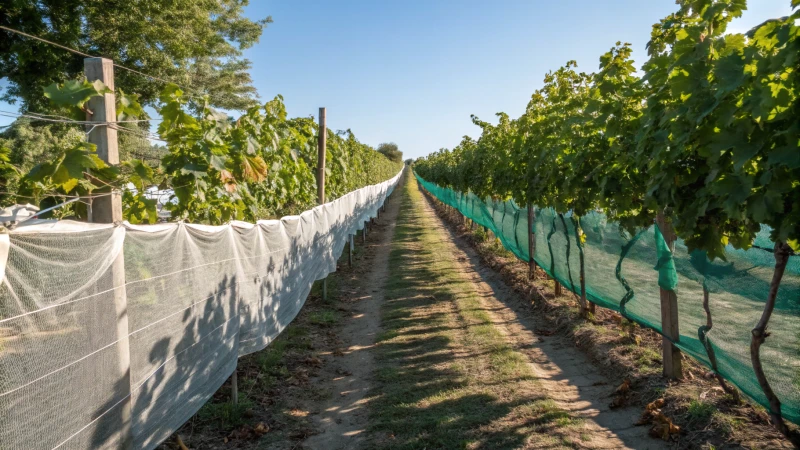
(706, 142)
(214, 169)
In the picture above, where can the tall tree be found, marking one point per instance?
(391, 151)
(195, 43)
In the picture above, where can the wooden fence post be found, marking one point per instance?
(321, 150)
(108, 209)
(669, 312)
(531, 243)
(235, 387)
(350, 249)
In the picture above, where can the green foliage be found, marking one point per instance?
(709, 135)
(324, 317)
(74, 94)
(391, 151)
(700, 411)
(78, 172)
(30, 144)
(259, 166)
(8, 172)
(138, 208)
(217, 169)
(226, 414)
(196, 44)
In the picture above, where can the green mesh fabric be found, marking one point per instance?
(624, 272)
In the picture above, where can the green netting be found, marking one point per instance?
(624, 272)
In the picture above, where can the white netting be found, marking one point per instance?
(180, 302)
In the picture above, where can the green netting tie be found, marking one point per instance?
(550, 248)
(667, 275)
(569, 266)
(629, 293)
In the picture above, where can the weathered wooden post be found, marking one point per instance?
(531, 243)
(321, 150)
(669, 312)
(350, 249)
(108, 209)
(235, 387)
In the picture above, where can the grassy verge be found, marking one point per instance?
(446, 377)
(708, 418)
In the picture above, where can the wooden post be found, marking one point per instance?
(584, 302)
(531, 243)
(235, 387)
(108, 209)
(558, 288)
(350, 249)
(321, 151)
(669, 312)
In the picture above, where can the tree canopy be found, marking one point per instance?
(391, 151)
(194, 43)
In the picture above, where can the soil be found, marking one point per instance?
(343, 419)
(567, 374)
(316, 395)
(626, 352)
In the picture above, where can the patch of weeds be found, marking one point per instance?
(387, 335)
(297, 337)
(496, 247)
(507, 362)
(226, 413)
(479, 234)
(726, 423)
(323, 318)
(699, 411)
(247, 384)
(547, 411)
(271, 358)
(294, 332)
(645, 357)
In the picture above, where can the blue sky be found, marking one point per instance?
(413, 71)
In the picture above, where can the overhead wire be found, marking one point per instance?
(111, 124)
(77, 52)
(187, 92)
(63, 119)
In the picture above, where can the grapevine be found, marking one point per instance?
(215, 169)
(708, 139)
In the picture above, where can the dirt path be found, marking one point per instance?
(568, 375)
(458, 367)
(342, 419)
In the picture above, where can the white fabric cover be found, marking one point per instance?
(196, 297)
